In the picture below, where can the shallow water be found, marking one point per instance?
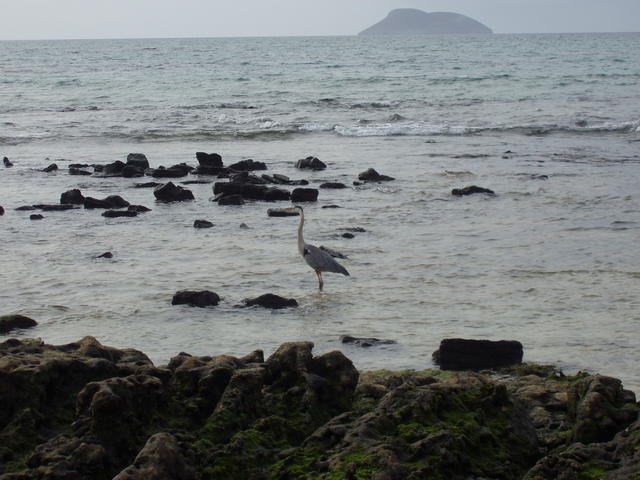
(552, 263)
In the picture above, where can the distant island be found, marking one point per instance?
(410, 21)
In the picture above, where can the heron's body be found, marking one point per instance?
(319, 260)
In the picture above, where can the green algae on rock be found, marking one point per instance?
(86, 411)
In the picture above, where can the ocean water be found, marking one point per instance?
(549, 122)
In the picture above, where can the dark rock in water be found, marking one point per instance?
(331, 206)
(248, 165)
(459, 192)
(36, 216)
(78, 171)
(1, 210)
(131, 171)
(54, 208)
(202, 224)
(304, 195)
(112, 201)
(357, 184)
(98, 168)
(138, 208)
(171, 172)
(25, 208)
(105, 255)
(354, 229)
(209, 160)
(79, 165)
(251, 191)
(172, 193)
(311, 163)
(246, 177)
(348, 235)
(275, 194)
(539, 177)
(119, 213)
(269, 300)
(147, 185)
(333, 253)
(51, 168)
(7, 162)
(280, 212)
(333, 185)
(114, 168)
(411, 21)
(371, 175)
(160, 459)
(74, 197)
(365, 342)
(230, 200)
(196, 182)
(203, 298)
(463, 354)
(13, 322)
(138, 160)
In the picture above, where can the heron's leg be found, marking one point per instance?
(320, 282)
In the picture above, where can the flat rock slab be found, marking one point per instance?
(470, 190)
(464, 354)
(13, 322)
(365, 342)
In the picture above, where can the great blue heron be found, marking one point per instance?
(317, 259)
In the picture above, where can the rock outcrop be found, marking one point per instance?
(410, 21)
(85, 411)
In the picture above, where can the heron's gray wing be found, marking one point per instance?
(333, 253)
(319, 260)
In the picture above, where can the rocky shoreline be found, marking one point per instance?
(88, 411)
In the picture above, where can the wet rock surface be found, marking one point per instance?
(14, 322)
(470, 190)
(465, 354)
(169, 192)
(371, 175)
(203, 298)
(87, 411)
(269, 300)
(202, 224)
(365, 342)
(311, 163)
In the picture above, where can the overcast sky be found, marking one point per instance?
(44, 19)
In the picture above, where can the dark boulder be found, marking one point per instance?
(138, 208)
(171, 172)
(371, 175)
(463, 354)
(348, 235)
(251, 191)
(203, 298)
(311, 163)
(79, 165)
(459, 192)
(225, 199)
(333, 185)
(304, 195)
(13, 322)
(7, 162)
(36, 216)
(1, 210)
(51, 168)
(274, 194)
(210, 163)
(169, 192)
(248, 165)
(54, 208)
(114, 169)
(365, 342)
(74, 197)
(78, 171)
(119, 213)
(196, 182)
(147, 185)
(131, 171)
(112, 201)
(138, 160)
(280, 212)
(90, 202)
(202, 224)
(271, 301)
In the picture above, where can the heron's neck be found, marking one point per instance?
(300, 238)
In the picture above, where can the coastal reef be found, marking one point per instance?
(88, 411)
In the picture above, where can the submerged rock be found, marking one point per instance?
(147, 185)
(138, 160)
(371, 175)
(365, 342)
(459, 192)
(7, 162)
(14, 322)
(120, 213)
(304, 195)
(78, 171)
(1, 210)
(333, 185)
(105, 255)
(51, 168)
(311, 163)
(54, 208)
(464, 354)
(202, 224)
(203, 298)
(112, 201)
(225, 199)
(36, 216)
(169, 192)
(138, 208)
(248, 165)
(269, 300)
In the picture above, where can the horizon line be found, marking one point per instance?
(62, 39)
